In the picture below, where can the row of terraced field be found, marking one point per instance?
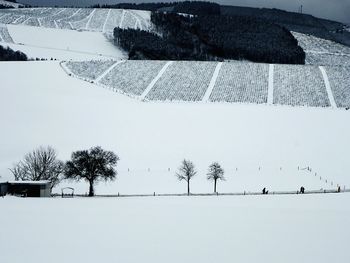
(99, 20)
(293, 85)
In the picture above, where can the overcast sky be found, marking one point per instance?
(338, 10)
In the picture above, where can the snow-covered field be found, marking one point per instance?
(292, 85)
(67, 33)
(259, 146)
(299, 228)
(61, 44)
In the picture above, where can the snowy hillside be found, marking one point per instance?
(272, 126)
(257, 146)
(323, 52)
(67, 33)
(292, 85)
(7, 3)
(86, 19)
(61, 44)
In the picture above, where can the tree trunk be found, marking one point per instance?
(91, 188)
(188, 187)
(215, 186)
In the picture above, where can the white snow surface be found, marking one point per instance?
(258, 146)
(298, 228)
(62, 44)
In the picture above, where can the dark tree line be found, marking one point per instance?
(213, 37)
(7, 54)
(146, 45)
(303, 23)
(141, 6)
(6, 7)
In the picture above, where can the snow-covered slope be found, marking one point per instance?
(67, 33)
(7, 3)
(323, 52)
(258, 146)
(292, 85)
(62, 44)
(86, 19)
(319, 51)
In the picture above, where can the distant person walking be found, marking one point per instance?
(264, 191)
(302, 190)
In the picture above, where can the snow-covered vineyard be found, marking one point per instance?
(318, 51)
(99, 20)
(323, 52)
(293, 85)
(5, 35)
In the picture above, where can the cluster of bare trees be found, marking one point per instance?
(40, 164)
(90, 165)
(187, 171)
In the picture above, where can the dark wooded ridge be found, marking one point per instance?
(7, 54)
(299, 22)
(211, 37)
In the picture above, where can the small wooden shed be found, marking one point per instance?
(26, 188)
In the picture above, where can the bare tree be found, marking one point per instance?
(186, 172)
(40, 164)
(92, 165)
(215, 172)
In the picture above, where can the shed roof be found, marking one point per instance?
(43, 182)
